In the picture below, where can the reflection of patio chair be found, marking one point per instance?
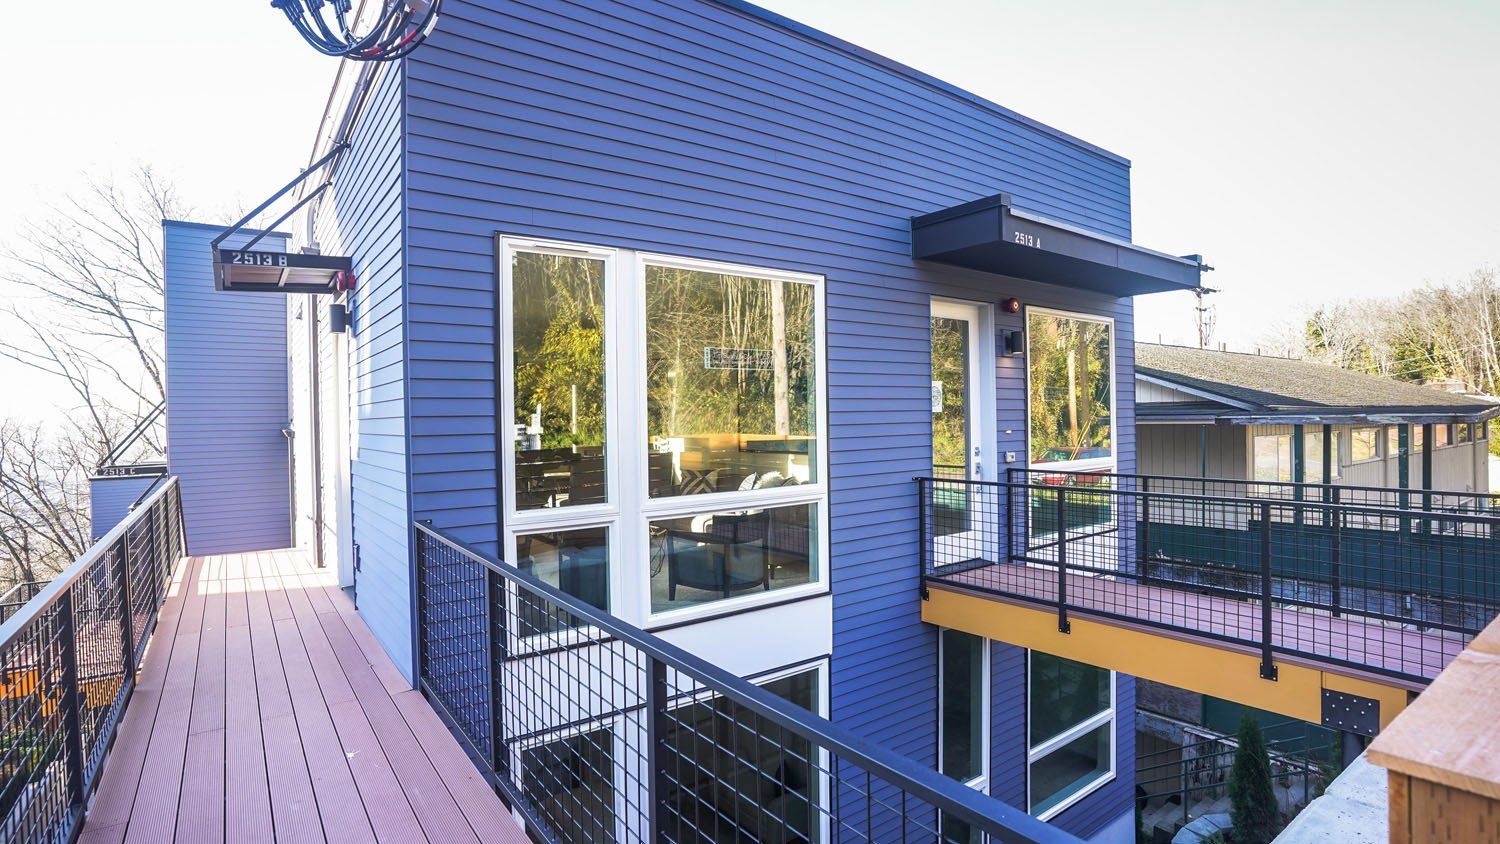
(724, 561)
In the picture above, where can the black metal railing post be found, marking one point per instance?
(1267, 666)
(494, 656)
(72, 723)
(1336, 561)
(1063, 625)
(924, 551)
(1012, 531)
(127, 613)
(419, 548)
(657, 725)
(1145, 524)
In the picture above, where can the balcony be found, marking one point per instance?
(1328, 604)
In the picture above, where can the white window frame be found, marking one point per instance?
(1091, 464)
(980, 783)
(629, 508)
(1041, 751)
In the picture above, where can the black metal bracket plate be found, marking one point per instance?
(1351, 713)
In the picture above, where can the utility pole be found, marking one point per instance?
(1205, 316)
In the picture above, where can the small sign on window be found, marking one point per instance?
(937, 397)
(743, 360)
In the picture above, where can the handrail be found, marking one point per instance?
(998, 820)
(1282, 504)
(65, 579)
(1250, 482)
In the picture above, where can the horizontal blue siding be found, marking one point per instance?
(693, 128)
(362, 217)
(110, 500)
(226, 400)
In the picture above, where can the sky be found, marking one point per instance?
(1309, 150)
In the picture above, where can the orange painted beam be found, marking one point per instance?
(1202, 665)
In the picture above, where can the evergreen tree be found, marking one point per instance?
(1252, 802)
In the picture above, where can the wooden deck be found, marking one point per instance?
(266, 711)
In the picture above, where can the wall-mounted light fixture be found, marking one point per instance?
(338, 318)
(1011, 305)
(1015, 342)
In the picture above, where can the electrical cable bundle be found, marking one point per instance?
(326, 24)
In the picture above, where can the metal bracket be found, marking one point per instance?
(1351, 713)
(1268, 671)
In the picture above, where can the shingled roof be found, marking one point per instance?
(1250, 388)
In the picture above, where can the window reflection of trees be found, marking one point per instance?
(1068, 362)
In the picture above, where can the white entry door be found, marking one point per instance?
(963, 515)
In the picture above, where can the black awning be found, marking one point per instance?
(991, 236)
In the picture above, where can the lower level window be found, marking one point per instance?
(738, 777)
(571, 782)
(1071, 735)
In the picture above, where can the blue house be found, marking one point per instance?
(667, 302)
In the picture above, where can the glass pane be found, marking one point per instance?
(710, 557)
(950, 398)
(731, 382)
(1064, 694)
(1070, 769)
(558, 319)
(1363, 444)
(571, 783)
(736, 776)
(1312, 454)
(955, 831)
(1273, 457)
(1068, 365)
(963, 705)
(575, 561)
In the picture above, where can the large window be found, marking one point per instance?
(714, 373)
(1071, 731)
(575, 561)
(557, 334)
(1070, 372)
(731, 381)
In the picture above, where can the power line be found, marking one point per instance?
(401, 27)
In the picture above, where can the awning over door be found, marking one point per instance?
(992, 236)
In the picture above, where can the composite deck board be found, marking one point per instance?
(265, 711)
(1365, 642)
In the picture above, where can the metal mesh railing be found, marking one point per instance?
(68, 661)
(1187, 774)
(1398, 591)
(596, 731)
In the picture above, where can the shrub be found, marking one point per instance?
(1252, 802)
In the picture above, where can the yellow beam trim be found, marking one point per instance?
(1216, 669)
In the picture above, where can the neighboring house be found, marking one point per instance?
(1233, 416)
(668, 302)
